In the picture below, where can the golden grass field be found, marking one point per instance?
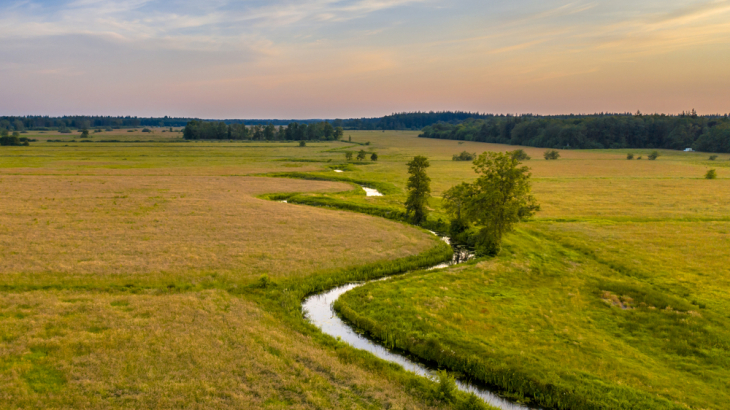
(157, 230)
(82, 222)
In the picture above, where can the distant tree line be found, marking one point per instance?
(409, 120)
(81, 122)
(218, 130)
(688, 130)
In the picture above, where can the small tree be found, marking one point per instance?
(629, 156)
(713, 157)
(551, 154)
(464, 156)
(520, 155)
(654, 155)
(338, 133)
(711, 174)
(302, 143)
(349, 138)
(454, 202)
(85, 133)
(374, 157)
(348, 156)
(419, 189)
(361, 155)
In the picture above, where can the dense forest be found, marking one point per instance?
(401, 121)
(218, 130)
(409, 120)
(81, 122)
(688, 130)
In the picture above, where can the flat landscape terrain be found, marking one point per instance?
(154, 274)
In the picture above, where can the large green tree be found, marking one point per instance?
(498, 199)
(419, 189)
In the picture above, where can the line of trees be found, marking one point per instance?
(702, 133)
(218, 130)
(410, 120)
(81, 122)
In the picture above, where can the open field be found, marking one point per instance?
(63, 349)
(158, 231)
(121, 257)
(131, 271)
(626, 306)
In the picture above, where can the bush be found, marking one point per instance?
(464, 156)
(654, 155)
(629, 156)
(520, 155)
(264, 281)
(472, 403)
(302, 143)
(713, 157)
(374, 157)
(639, 157)
(446, 387)
(146, 130)
(711, 174)
(551, 154)
(109, 129)
(10, 141)
(348, 156)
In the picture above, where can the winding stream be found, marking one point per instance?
(318, 310)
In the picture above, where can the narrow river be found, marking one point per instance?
(318, 310)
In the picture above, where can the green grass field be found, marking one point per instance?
(131, 276)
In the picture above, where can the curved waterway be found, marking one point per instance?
(318, 310)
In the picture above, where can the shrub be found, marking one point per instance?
(472, 403)
(639, 157)
(146, 130)
(10, 141)
(264, 281)
(464, 156)
(654, 155)
(348, 156)
(374, 157)
(520, 155)
(711, 174)
(109, 129)
(85, 133)
(713, 157)
(446, 387)
(302, 143)
(629, 156)
(551, 154)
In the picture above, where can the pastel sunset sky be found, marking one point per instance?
(357, 58)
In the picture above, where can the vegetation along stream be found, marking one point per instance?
(318, 310)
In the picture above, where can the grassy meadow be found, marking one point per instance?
(155, 274)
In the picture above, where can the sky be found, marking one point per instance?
(362, 58)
